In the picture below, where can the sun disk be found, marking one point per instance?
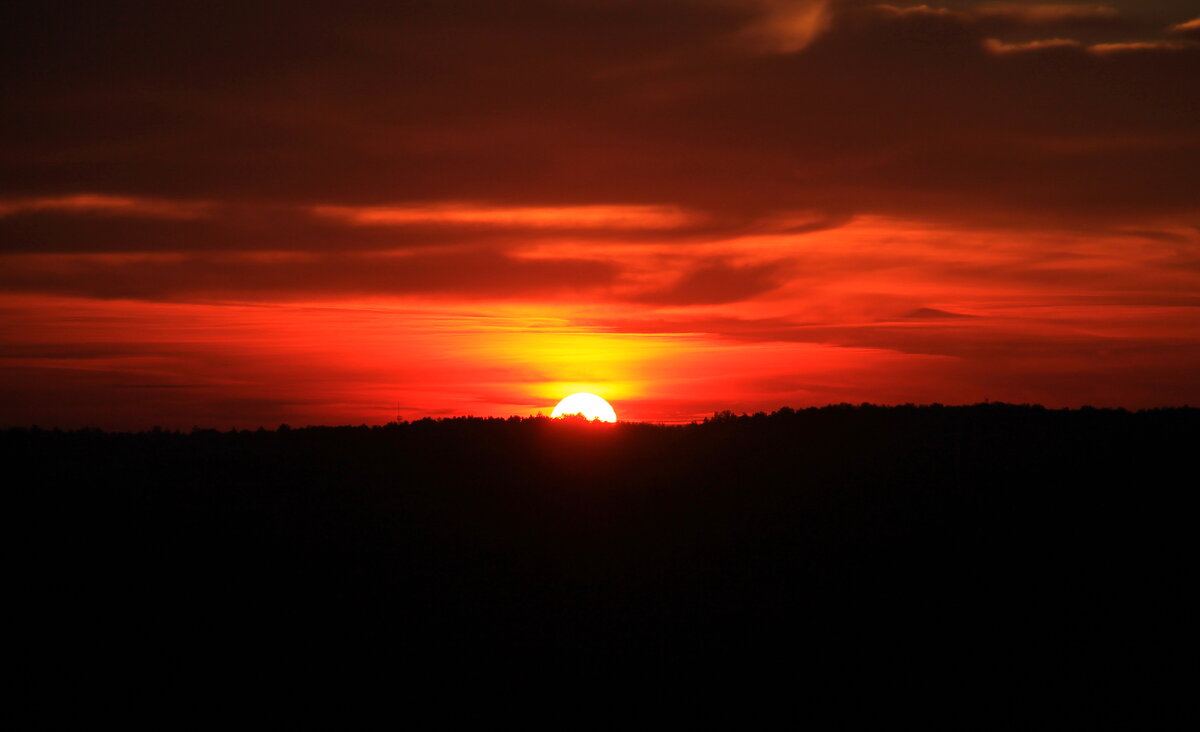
(589, 405)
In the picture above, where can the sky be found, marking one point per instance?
(240, 214)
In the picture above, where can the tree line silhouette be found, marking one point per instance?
(990, 531)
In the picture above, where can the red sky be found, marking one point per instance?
(251, 213)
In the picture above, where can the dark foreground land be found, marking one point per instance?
(997, 536)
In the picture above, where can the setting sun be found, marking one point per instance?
(589, 405)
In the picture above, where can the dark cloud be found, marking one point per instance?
(649, 102)
(89, 350)
(720, 282)
(163, 386)
(1024, 20)
(980, 344)
(458, 274)
(933, 314)
(1050, 16)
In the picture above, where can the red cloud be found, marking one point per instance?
(1190, 29)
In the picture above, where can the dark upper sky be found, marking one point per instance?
(737, 108)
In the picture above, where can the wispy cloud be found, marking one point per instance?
(97, 204)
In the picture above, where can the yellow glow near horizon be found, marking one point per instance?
(589, 405)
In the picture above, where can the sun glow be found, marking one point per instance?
(589, 405)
